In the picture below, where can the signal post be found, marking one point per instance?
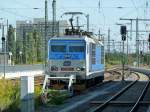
(123, 31)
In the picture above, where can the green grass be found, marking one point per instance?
(56, 97)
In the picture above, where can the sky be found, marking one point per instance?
(104, 14)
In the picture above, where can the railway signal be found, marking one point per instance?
(123, 31)
(149, 40)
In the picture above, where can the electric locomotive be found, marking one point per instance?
(75, 58)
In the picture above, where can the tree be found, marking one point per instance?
(25, 47)
(31, 50)
(19, 50)
(11, 41)
(38, 45)
(31, 46)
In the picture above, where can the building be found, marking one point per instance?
(38, 24)
(23, 27)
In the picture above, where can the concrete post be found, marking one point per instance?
(27, 94)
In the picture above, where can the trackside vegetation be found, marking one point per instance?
(10, 96)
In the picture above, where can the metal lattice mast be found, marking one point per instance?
(46, 39)
(54, 17)
(88, 22)
(108, 40)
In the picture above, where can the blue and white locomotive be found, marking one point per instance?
(79, 56)
(75, 58)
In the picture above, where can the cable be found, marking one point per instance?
(14, 13)
(135, 7)
(104, 18)
(130, 12)
(93, 7)
(21, 3)
(21, 8)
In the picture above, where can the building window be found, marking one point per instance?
(93, 54)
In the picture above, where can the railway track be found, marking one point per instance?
(132, 98)
(40, 79)
(115, 74)
(97, 95)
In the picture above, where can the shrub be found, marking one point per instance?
(56, 97)
(38, 102)
(9, 95)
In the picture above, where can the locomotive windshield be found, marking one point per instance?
(58, 48)
(76, 48)
(67, 49)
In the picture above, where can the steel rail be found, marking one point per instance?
(122, 102)
(140, 98)
(136, 74)
(102, 106)
(113, 72)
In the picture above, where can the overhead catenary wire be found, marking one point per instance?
(14, 13)
(102, 11)
(109, 7)
(22, 3)
(137, 10)
(131, 11)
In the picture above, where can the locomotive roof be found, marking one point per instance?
(78, 37)
(68, 37)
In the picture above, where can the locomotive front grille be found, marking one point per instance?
(67, 69)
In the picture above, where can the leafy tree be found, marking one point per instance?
(38, 45)
(24, 49)
(11, 41)
(30, 49)
(19, 50)
(31, 46)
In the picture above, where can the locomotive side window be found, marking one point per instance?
(58, 48)
(93, 54)
(102, 55)
(76, 49)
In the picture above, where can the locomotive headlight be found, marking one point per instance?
(78, 69)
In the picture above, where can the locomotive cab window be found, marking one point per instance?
(58, 48)
(76, 49)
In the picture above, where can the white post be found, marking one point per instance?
(72, 77)
(44, 84)
(10, 59)
(27, 94)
